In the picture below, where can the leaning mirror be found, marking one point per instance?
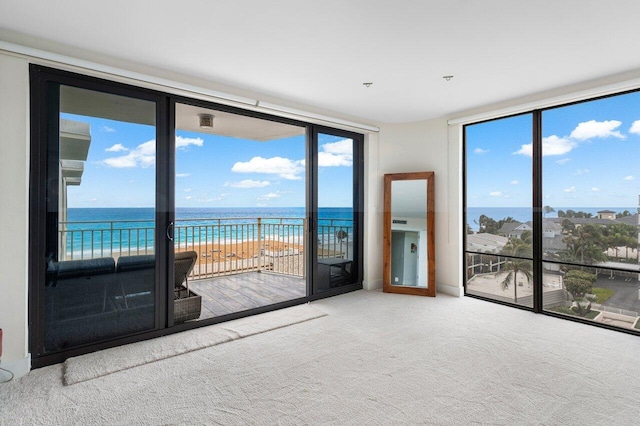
(409, 257)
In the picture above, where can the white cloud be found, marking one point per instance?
(182, 143)
(597, 129)
(326, 159)
(496, 194)
(635, 127)
(248, 183)
(552, 145)
(336, 154)
(480, 151)
(187, 190)
(269, 196)
(629, 178)
(108, 129)
(570, 189)
(144, 155)
(181, 175)
(515, 182)
(116, 148)
(580, 172)
(526, 149)
(594, 189)
(563, 161)
(284, 167)
(343, 147)
(188, 197)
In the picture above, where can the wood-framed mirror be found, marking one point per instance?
(409, 234)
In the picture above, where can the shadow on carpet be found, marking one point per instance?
(101, 363)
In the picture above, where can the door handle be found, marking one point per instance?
(170, 231)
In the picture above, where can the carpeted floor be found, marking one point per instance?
(374, 359)
(108, 361)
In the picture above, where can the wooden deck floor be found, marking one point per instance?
(239, 292)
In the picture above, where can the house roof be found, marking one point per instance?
(509, 227)
(629, 220)
(483, 242)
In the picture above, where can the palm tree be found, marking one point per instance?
(548, 209)
(513, 268)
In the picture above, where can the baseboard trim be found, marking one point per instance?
(372, 285)
(19, 367)
(449, 289)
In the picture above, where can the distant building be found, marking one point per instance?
(486, 243)
(514, 229)
(607, 214)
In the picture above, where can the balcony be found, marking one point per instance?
(242, 263)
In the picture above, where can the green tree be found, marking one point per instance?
(548, 209)
(584, 244)
(567, 226)
(491, 226)
(578, 283)
(527, 237)
(620, 235)
(573, 214)
(514, 267)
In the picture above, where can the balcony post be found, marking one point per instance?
(259, 244)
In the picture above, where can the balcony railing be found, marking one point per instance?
(225, 246)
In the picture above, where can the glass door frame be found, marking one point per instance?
(45, 86)
(358, 212)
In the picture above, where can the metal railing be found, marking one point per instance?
(225, 246)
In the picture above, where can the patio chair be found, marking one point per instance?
(183, 265)
(187, 304)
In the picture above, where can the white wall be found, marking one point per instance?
(413, 147)
(14, 196)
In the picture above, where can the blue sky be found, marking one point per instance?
(590, 157)
(211, 170)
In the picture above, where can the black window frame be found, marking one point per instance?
(537, 205)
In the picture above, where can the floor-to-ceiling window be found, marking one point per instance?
(152, 212)
(561, 185)
(499, 210)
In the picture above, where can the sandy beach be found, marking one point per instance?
(239, 249)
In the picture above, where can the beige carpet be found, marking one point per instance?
(375, 359)
(97, 364)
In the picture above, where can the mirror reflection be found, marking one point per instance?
(408, 237)
(409, 233)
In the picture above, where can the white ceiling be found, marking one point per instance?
(318, 53)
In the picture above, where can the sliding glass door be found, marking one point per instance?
(151, 212)
(100, 248)
(240, 216)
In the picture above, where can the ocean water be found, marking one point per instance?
(524, 214)
(105, 231)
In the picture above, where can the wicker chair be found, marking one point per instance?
(187, 304)
(183, 265)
